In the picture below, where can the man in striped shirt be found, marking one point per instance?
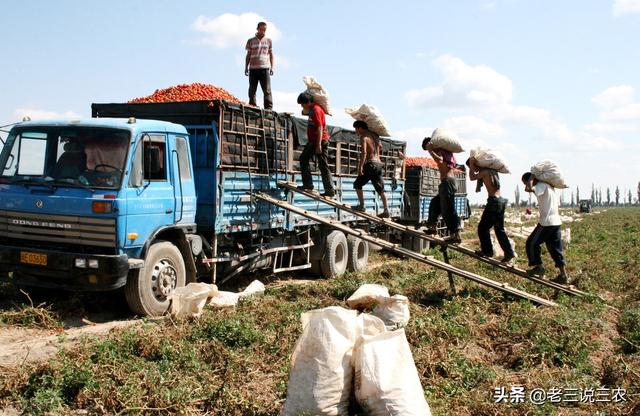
(259, 65)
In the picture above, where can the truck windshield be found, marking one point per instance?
(65, 156)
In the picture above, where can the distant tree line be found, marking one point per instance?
(597, 199)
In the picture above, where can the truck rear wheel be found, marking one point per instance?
(336, 256)
(147, 288)
(358, 254)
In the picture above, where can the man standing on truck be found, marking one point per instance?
(317, 144)
(493, 214)
(370, 167)
(547, 231)
(259, 65)
(444, 203)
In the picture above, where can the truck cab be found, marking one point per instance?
(82, 203)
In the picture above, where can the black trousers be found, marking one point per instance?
(322, 160)
(445, 204)
(493, 217)
(549, 235)
(262, 76)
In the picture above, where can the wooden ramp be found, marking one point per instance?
(571, 290)
(503, 287)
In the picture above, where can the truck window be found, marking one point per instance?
(28, 155)
(183, 158)
(154, 160)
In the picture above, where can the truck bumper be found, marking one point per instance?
(58, 270)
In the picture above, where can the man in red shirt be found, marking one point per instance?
(317, 144)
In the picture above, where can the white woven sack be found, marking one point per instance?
(320, 95)
(386, 378)
(394, 311)
(488, 158)
(372, 116)
(321, 372)
(189, 301)
(367, 296)
(444, 139)
(548, 172)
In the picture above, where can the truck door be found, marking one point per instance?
(183, 184)
(150, 193)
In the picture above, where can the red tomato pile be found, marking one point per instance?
(421, 161)
(187, 92)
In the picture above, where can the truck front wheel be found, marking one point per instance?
(147, 289)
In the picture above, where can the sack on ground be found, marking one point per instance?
(548, 172)
(366, 296)
(256, 287)
(444, 139)
(386, 379)
(394, 311)
(370, 115)
(320, 95)
(321, 372)
(189, 301)
(488, 158)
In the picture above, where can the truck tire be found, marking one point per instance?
(413, 243)
(358, 254)
(147, 289)
(336, 255)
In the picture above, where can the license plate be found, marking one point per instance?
(33, 258)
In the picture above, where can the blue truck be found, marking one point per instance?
(151, 196)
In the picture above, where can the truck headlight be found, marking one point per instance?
(81, 263)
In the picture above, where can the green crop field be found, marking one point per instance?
(236, 361)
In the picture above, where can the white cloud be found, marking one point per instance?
(231, 30)
(35, 114)
(622, 7)
(286, 102)
(464, 86)
(619, 111)
(608, 128)
(489, 5)
(617, 96)
(473, 129)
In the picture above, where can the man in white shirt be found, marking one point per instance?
(547, 231)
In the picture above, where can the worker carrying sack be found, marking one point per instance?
(321, 372)
(319, 94)
(488, 158)
(548, 172)
(370, 115)
(444, 139)
(386, 379)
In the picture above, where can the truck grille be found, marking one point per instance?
(58, 229)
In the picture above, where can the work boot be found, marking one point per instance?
(328, 194)
(360, 208)
(561, 279)
(508, 260)
(536, 271)
(453, 238)
(304, 188)
(384, 214)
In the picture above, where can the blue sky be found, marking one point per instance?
(536, 80)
